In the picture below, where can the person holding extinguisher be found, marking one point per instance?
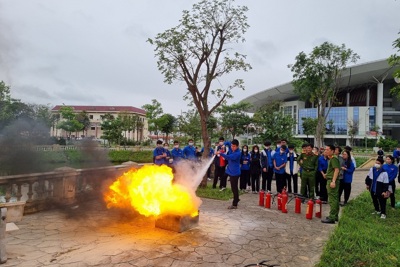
(332, 184)
(233, 170)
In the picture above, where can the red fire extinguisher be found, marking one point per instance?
(309, 213)
(261, 198)
(318, 208)
(297, 207)
(284, 201)
(279, 202)
(221, 161)
(268, 200)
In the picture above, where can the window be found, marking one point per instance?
(91, 117)
(93, 128)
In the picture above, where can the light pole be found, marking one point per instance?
(366, 125)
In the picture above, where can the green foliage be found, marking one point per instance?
(168, 124)
(360, 161)
(394, 60)
(128, 155)
(309, 126)
(69, 122)
(387, 144)
(234, 118)
(154, 112)
(363, 239)
(189, 124)
(317, 78)
(209, 192)
(275, 125)
(112, 128)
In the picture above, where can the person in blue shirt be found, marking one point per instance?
(279, 144)
(245, 168)
(291, 170)
(392, 171)
(159, 154)
(168, 158)
(267, 166)
(280, 159)
(189, 152)
(176, 153)
(210, 155)
(345, 183)
(233, 170)
(321, 178)
(396, 154)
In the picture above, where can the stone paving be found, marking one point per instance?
(91, 235)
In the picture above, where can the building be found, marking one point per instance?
(96, 113)
(364, 101)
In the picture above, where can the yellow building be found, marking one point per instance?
(95, 114)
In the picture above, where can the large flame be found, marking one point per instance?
(150, 191)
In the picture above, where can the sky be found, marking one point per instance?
(94, 52)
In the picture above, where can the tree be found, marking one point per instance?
(112, 128)
(69, 122)
(317, 79)
(154, 112)
(353, 126)
(394, 60)
(189, 124)
(168, 123)
(197, 52)
(84, 119)
(274, 124)
(234, 118)
(309, 126)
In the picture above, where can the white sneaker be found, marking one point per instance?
(209, 179)
(376, 212)
(383, 216)
(222, 189)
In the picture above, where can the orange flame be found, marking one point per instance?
(150, 191)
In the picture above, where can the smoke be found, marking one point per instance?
(190, 173)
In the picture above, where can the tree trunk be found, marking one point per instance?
(207, 144)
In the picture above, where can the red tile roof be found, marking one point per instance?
(103, 109)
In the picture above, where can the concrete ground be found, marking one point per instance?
(91, 235)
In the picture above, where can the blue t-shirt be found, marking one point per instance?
(189, 152)
(233, 158)
(158, 151)
(279, 160)
(245, 157)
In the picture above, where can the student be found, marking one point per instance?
(291, 170)
(245, 168)
(233, 170)
(189, 152)
(168, 158)
(279, 160)
(176, 153)
(345, 183)
(377, 183)
(267, 165)
(392, 171)
(255, 169)
(220, 165)
(159, 154)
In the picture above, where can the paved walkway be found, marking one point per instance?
(94, 236)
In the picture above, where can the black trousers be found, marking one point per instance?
(255, 182)
(244, 178)
(235, 190)
(379, 202)
(289, 179)
(323, 193)
(392, 197)
(346, 187)
(219, 173)
(266, 182)
(280, 181)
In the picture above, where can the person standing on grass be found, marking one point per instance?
(245, 168)
(377, 183)
(392, 171)
(345, 183)
(332, 184)
(189, 151)
(233, 170)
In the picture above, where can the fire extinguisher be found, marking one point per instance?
(279, 202)
(297, 207)
(268, 200)
(318, 208)
(284, 201)
(309, 213)
(221, 160)
(261, 198)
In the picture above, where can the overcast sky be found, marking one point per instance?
(94, 52)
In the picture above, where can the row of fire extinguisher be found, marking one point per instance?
(265, 200)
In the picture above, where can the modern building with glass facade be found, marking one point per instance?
(364, 103)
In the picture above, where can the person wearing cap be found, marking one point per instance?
(291, 170)
(233, 170)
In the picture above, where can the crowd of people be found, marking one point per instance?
(325, 173)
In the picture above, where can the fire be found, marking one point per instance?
(151, 191)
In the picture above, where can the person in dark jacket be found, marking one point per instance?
(220, 164)
(245, 168)
(233, 170)
(345, 183)
(291, 170)
(377, 183)
(255, 169)
(392, 171)
(267, 166)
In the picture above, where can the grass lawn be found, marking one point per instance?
(209, 192)
(363, 239)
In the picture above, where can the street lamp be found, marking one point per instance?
(366, 125)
